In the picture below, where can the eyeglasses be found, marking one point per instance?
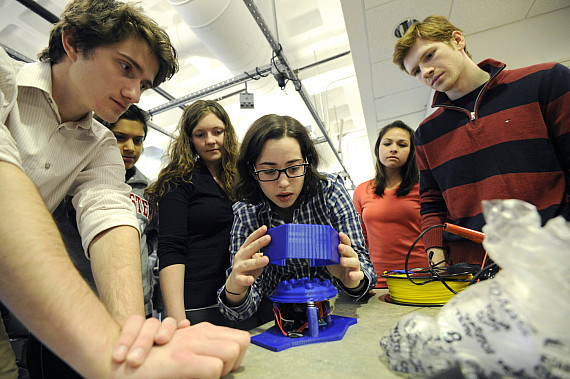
(272, 174)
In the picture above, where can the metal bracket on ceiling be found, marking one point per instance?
(246, 76)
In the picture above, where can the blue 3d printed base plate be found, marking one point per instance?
(274, 340)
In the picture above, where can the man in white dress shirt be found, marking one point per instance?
(102, 55)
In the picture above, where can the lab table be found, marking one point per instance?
(357, 355)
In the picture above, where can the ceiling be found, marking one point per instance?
(339, 49)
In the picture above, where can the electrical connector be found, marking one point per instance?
(246, 100)
(279, 72)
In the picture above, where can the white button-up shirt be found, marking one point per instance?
(80, 159)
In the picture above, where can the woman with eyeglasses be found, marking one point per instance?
(194, 194)
(279, 183)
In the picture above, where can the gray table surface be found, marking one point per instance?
(357, 355)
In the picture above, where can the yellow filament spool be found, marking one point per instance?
(401, 290)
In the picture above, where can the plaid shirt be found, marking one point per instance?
(331, 206)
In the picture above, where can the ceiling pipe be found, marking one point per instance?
(224, 27)
(187, 43)
(159, 129)
(166, 95)
(246, 77)
(324, 61)
(15, 54)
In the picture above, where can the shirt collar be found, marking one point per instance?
(264, 206)
(38, 75)
(86, 122)
(493, 67)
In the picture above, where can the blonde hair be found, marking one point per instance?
(433, 28)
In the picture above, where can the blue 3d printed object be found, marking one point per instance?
(317, 243)
(305, 291)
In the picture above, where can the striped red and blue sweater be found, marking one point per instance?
(516, 144)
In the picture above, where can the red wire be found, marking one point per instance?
(483, 264)
(278, 318)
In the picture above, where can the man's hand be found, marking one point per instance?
(348, 269)
(198, 351)
(139, 335)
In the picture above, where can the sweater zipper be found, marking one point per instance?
(466, 111)
(491, 77)
(472, 115)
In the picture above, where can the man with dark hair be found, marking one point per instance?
(497, 134)
(101, 56)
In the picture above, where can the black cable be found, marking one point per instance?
(253, 77)
(260, 74)
(410, 253)
(250, 76)
(284, 79)
(443, 281)
(297, 82)
(432, 269)
(481, 272)
(273, 56)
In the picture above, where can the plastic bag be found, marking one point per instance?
(514, 325)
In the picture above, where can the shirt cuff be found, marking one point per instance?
(236, 313)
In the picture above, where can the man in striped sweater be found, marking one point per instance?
(497, 134)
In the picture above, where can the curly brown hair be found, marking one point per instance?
(183, 158)
(95, 23)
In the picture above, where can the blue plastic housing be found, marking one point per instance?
(317, 243)
(298, 291)
(272, 339)
(304, 290)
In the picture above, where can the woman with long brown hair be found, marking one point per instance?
(194, 198)
(389, 204)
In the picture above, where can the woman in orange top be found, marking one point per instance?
(389, 204)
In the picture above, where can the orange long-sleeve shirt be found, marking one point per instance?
(390, 225)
